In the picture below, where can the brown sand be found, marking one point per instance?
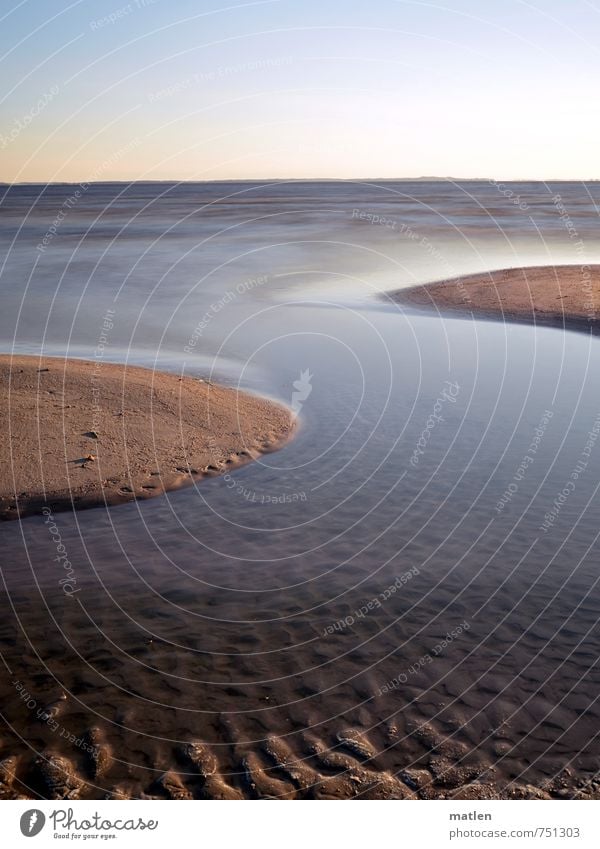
(81, 434)
(563, 295)
(270, 769)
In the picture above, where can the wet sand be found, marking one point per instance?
(82, 434)
(152, 681)
(343, 767)
(558, 295)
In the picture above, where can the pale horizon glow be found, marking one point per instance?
(284, 89)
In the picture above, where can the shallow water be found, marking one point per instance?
(365, 576)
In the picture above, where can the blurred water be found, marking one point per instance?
(225, 600)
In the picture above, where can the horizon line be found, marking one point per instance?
(427, 179)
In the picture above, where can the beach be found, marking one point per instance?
(399, 602)
(559, 295)
(88, 433)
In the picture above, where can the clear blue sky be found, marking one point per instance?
(176, 89)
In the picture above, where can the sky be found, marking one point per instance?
(213, 89)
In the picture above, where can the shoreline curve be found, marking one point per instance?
(566, 296)
(81, 434)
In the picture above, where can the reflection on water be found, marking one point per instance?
(365, 576)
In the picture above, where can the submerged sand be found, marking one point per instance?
(343, 768)
(563, 295)
(82, 434)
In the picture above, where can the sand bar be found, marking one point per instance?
(83, 434)
(560, 295)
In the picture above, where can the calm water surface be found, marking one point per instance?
(386, 569)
